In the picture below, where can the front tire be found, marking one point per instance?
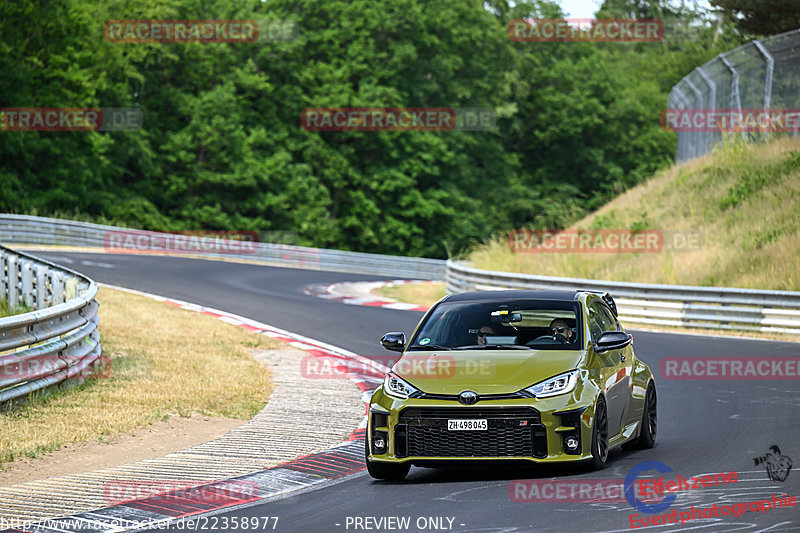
(386, 471)
(600, 435)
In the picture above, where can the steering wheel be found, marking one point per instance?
(549, 339)
(561, 338)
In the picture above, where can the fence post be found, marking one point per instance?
(768, 81)
(682, 148)
(699, 93)
(712, 103)
(736, 99)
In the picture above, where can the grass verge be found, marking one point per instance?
(5, 309)
(744, 200)
(165, 361)
(414, 293)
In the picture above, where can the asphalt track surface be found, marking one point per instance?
(703, 426)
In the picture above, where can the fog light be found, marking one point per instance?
(379, 443)
(571, 443)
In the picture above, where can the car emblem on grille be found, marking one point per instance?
(468, 397)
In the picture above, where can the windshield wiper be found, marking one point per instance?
(494, 347)
(428, 347)
(507, 347)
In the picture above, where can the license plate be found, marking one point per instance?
(467, 425)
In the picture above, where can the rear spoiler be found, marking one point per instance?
(608, 299)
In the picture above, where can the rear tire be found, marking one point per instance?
(647, 437)
(386, 471)
(600, 435)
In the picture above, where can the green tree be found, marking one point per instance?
(761, 17)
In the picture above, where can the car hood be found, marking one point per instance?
(483, 371)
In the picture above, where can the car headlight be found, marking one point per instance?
(560, 384)
(396, 387)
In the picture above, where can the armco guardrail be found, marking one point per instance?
(23, 229)
(698, 307)
(670, 305)
(55, 342)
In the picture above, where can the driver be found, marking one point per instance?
(559, 328)
(485, 330)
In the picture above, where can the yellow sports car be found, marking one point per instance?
(539, 375)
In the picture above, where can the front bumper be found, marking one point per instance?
(536, 430)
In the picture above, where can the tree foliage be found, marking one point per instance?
(222, 148)
(762, 17)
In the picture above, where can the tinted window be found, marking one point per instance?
(528, 323)
(600, 320)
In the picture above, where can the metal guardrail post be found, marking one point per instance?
(27, 283)
(11, 282)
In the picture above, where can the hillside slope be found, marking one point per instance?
(744, 202)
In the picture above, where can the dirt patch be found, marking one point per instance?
(153, 441)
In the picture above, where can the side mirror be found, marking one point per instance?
(612, 340)
(394, 341)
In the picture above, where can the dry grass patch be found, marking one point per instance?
(414, 293)
(165, 361)
(743, 200)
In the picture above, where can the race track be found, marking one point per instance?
(704, 426)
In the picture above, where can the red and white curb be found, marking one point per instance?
(290, 478)
(357, 293)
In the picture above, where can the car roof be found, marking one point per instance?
(515, 294)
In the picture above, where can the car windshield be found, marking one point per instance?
(515, 324)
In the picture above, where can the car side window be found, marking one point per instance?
(600, 320)
(612, 323)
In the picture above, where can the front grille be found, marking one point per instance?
(470, 412)
(511, 432)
